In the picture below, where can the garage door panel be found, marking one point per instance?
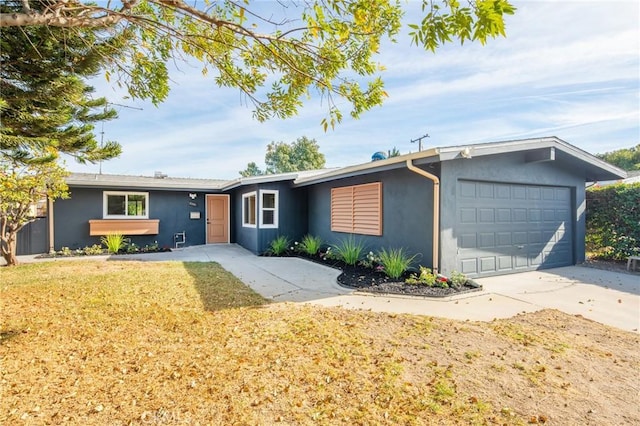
(548, 194)
(511, 227)
(486, 216)
(521, 261)
(485, 190)
(469, 266)
(563, 216)
(519, 238)
(535, 237)
(468, 215)
(467, 241)
(503, 239)
(487, 264)
(503, 215)
(551, 236)
(535, 215)
(548, 215)
(535, 259)
(518, 192)
(519, 215)
(534, 193)
(487, 240)
(563, 194)
(502, 191)
(560, 234)
(557, 256)
(505, 263)
(468, 189)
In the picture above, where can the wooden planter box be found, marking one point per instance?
(124, 226)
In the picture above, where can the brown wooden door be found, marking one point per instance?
(217, 219)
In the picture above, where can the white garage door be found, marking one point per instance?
(503, 228)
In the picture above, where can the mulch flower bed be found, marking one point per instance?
(103, 252)
(371, 280)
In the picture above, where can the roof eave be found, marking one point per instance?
(596, 166)
(371, 167)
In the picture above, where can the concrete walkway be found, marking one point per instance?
(607, 297)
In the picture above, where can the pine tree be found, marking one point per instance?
(47, 106)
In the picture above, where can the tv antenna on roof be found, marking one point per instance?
(419, 140)
(102, 128)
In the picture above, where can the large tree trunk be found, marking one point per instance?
(8, 249)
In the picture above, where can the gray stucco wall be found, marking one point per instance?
(245, 236)
(292, 216)
(407, 212)
(508, 168)
(71, 217)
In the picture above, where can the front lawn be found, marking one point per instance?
(86, 342)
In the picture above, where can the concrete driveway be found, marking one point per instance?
(610, 298)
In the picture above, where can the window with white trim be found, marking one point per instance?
(125, 205)
(268, 208)
(249, 209)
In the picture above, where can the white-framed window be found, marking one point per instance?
(268, 208)
(249, 209)
(125, 205)
(39, 208)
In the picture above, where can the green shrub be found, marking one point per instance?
(370, 260)
(278, 246)
(113, 242)
(92, 250)
(395, 261)
(613, 221)
(310, 245)
(349, 250)
(457, 279)
(130, 247)
(426, 277)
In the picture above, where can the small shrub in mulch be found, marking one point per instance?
(97, 250)
(374, 280)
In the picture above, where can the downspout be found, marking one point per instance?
(436, 211)
(50, 220)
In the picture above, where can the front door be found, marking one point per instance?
(217, 219)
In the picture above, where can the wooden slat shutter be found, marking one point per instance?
(342, 209)
(367, 209)
(357, 209)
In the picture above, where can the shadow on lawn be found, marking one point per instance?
(219, 289)
(7, 335)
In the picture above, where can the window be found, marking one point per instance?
(268, 209)
(357, 209)
(126, 205)
(249, 209)
(39, 208)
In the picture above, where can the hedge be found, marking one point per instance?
(613, 221)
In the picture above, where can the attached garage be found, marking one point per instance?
(504, 228)
(481, 209)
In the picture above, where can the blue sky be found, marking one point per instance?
(569, 69)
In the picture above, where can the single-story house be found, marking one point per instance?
(482, 209)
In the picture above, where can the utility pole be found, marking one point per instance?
(419, 140)
(102, 129)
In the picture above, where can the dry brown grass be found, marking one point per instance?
(172, 343)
